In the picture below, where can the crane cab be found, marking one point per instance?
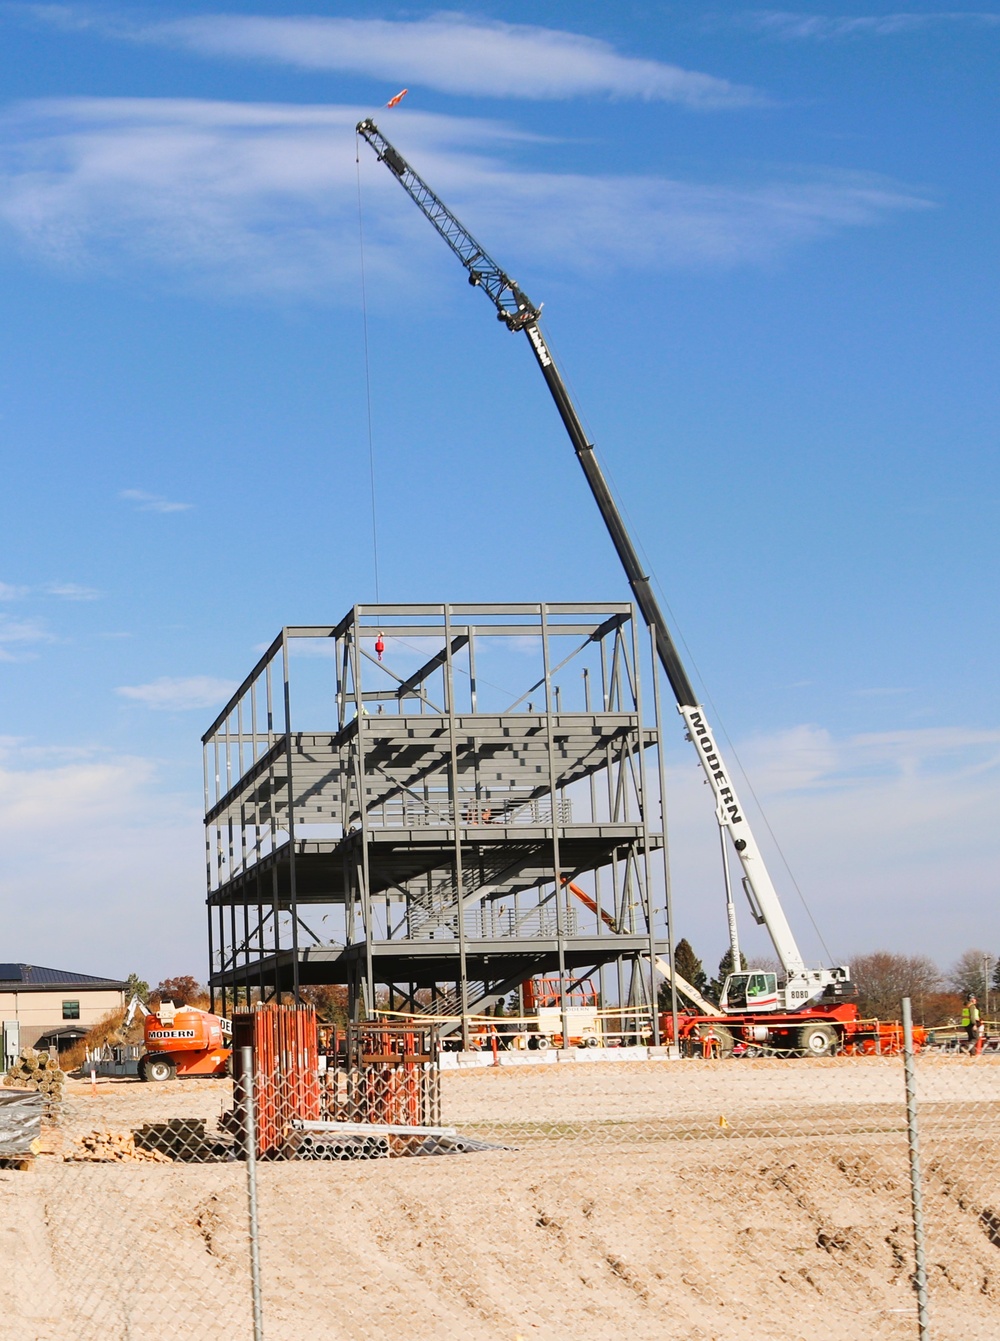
(750, 992)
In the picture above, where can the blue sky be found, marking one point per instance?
(765, 242)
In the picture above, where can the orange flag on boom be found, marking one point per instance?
(398, 98)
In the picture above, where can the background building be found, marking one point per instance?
(51, 1005)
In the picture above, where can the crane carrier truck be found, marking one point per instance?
(802, 1010)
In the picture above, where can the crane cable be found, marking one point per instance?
(368, 376)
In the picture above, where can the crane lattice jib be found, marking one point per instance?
(513, 306)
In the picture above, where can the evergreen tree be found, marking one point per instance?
(136, 987)
(725, 968)
(689, 967)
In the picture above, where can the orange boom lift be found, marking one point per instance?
(182, 1041)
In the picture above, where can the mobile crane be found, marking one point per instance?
(747, 997)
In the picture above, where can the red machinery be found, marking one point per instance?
(819, 1031)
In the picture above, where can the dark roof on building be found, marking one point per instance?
(34, 978)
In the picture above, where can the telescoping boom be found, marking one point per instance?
(518, 313)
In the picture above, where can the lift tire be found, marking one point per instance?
(817, 1040)
(543, 1043)
(158, 1068)
(590, 1041)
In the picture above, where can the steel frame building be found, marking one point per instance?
(417, 826)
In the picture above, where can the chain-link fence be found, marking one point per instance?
(562, 1194)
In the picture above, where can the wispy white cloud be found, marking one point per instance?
(146, 502)
(891, 836)
(790, 25)
(180, 693)
(889, 691)
(263, 197)
(19, 637)
(78, 829)
(452, 53)
(812, 759)
(71, 591)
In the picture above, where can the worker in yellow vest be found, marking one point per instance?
(970, 1022)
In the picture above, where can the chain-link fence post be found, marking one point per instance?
(916, 1189)
(250, 1150)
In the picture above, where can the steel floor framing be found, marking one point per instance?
(441, 830)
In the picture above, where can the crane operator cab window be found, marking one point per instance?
(750, 991)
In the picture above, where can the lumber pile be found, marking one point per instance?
(50, 1142)
(113, 1147)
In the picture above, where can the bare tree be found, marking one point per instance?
(969, 973)
(766, 964)
(882, 980)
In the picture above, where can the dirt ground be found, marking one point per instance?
(699, 1200)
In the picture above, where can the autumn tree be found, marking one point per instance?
(181, 991)
(330, 1001)
(882, 979)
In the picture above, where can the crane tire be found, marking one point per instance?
(817, 1040)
